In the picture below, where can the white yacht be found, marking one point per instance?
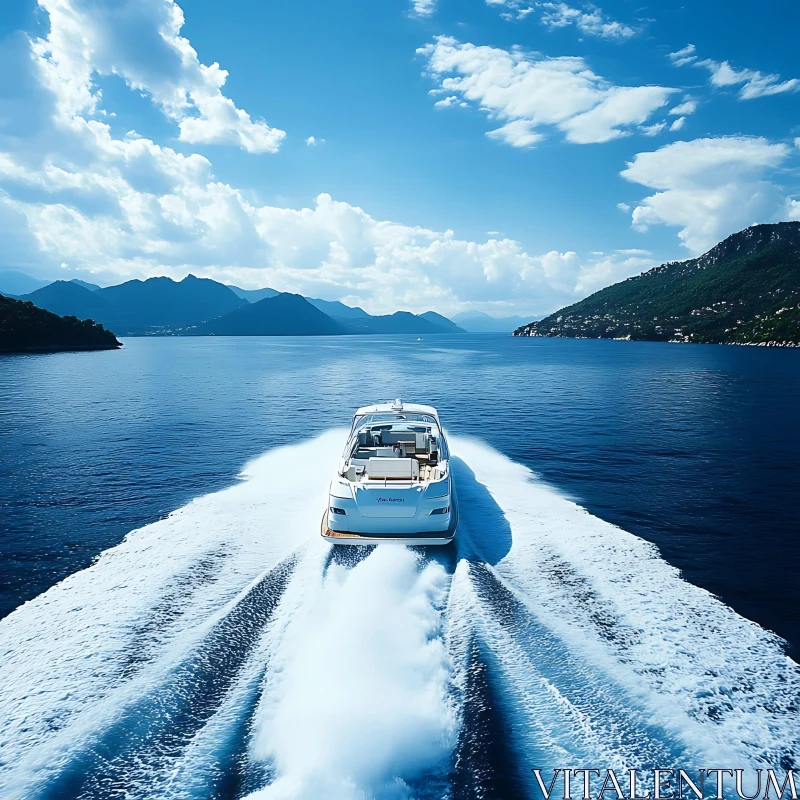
(393, 483)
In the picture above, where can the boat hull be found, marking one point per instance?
(418, 538)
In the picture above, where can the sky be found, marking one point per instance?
(506, 156)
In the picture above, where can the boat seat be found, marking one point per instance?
(393, 469)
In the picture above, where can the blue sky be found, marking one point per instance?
(509, 156)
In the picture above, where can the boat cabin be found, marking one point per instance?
(395, 445)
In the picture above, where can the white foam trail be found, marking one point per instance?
(200, 765)
(359, 696)
(356, 701)
(718, 680)
(65, 657)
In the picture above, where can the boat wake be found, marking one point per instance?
(226, 651)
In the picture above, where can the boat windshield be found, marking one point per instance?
(387, 416)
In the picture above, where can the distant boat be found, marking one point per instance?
(419, 339)
(393, 483)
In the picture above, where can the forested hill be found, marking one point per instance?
(26, 328)
(746, 290)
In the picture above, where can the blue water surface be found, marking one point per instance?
(695, 448)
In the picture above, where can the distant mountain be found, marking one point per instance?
(282, 315)
(333, 308)
(194, 305)
(399, 322)
(252, 295)
(746, 290)
(161, 304)
(447, 325)
(92, 287)
(70, 298)
(18, 283)
(26, 328)
(478, 322)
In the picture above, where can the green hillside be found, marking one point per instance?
(746, 290)
(24, 327)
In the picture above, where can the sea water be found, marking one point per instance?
(628, 516)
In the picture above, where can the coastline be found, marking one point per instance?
(58, 349)
(661, 341)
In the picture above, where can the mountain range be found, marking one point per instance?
(745, 290)
(16, 284)
(200, 306)
(272, 316)
(478, 322)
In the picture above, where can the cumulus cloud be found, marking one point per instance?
(450, 102)
(526, 91)
(606, 269)
(593, 22)
(140, 41)
(590, 21)
(119, 208)
(331, 248)
(678, 124)
(424, 8)
(708, 187)
(752, 82)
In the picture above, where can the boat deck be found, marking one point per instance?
(427, 471)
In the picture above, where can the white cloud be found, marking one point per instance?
(590, 21)
(593, 22)
(678, 124)
(118, 208)
(450, 102)
(515, 9)
(624, 207)
(793, 209)
(332, 249)
(653, 130)
(424, 8)
(708, 187)
(313, 141)
(684, 109)
(685, 56)
(517, 133)
(753, 83)
(526, 91)
(612, 268)
(140, 41)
